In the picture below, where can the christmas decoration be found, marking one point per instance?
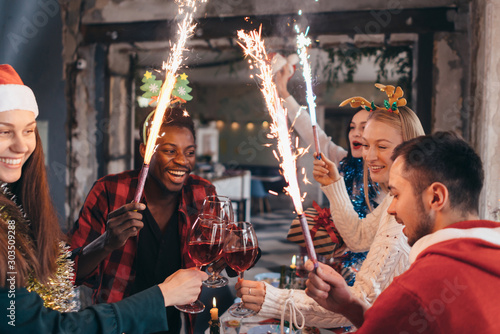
(58, 293)
(395, 100)
(181, 89)
(152, 87)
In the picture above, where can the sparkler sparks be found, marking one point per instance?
(187, 8)
(254, 47)
(302, 43)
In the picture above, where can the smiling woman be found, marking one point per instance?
(17, 142)
(36, 273)
(378, 232)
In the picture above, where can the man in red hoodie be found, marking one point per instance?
(452, 283)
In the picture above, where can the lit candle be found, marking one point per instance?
(214, 312)
(294, 259)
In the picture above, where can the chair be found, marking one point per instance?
(259, 193)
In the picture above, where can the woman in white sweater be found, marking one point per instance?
(378, 232)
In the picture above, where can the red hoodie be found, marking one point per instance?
(452, 286)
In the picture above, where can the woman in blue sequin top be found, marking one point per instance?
(349, 161)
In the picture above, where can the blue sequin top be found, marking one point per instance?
(352, 171)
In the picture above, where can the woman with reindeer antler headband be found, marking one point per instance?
(349, 162)
(378, 233)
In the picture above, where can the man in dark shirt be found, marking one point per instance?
(124, 247)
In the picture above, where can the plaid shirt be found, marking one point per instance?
(113, 278)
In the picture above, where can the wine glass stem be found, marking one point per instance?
(241, 276)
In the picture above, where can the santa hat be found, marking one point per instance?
(13, 93)
(278, 61)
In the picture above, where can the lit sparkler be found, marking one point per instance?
(302, 43)
(187, 8)
(254, 47)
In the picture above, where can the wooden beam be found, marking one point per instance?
(388, 21)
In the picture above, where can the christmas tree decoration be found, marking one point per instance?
(181, 89)
(151, 89)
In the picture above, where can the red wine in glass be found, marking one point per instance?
(205, 244)
(205, 252)
(222, 207)
(300, 264)
(240, 251)
(241, 259)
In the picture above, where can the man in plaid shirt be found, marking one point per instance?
(123, 247)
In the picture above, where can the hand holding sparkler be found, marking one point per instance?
(329, 289)
(254, 47)
(281, 79)
(325, 172)
(187, 8)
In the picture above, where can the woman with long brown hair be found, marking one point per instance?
(35, 271)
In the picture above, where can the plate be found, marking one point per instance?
(271, 278)
(269, 329)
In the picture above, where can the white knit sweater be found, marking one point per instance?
(387, 258)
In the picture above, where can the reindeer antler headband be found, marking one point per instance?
(394, 95)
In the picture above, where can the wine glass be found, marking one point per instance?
(240, 251)
(221, 207)
(205, 244)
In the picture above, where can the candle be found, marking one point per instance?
(294, 259)
(214, 312)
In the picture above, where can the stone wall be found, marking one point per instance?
(485, 99)
(465, 82)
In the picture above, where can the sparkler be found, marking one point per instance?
(187, 8)
(302, 43)
(254, 47)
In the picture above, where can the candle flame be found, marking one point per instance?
(214, 302)
(294, 259)
(254, 47)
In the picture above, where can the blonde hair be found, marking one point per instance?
(405, 121)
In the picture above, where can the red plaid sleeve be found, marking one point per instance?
(89, 226)
(112, 277)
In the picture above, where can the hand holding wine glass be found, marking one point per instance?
(221, 207)
(240, 251)
(205, 244)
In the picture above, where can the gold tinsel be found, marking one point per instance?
(58, 293)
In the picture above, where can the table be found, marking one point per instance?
(250, 322)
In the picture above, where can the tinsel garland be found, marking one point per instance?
(59, 292)
(352, 171)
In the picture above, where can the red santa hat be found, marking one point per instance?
(13, 93)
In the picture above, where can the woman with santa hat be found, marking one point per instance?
(36, 293)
